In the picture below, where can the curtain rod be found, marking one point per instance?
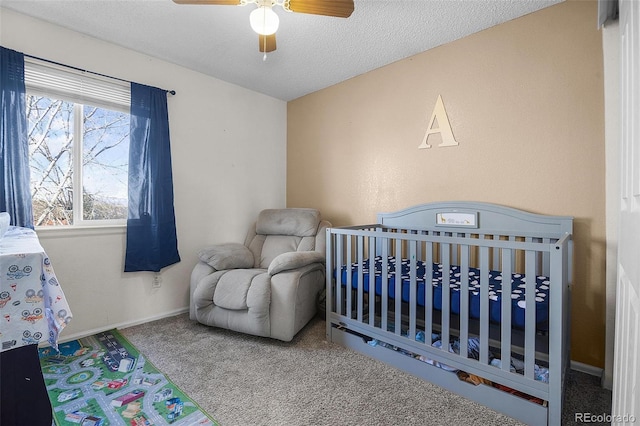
(172, 92)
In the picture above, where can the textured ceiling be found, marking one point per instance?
(313, 52)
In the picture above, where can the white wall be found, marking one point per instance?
(229, 162)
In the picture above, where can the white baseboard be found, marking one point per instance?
(586, 368)
(122, 325)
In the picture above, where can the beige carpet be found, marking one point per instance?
(244, 380)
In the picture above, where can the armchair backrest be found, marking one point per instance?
(280, 231)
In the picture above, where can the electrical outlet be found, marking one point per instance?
(157, 281)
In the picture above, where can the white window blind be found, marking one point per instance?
(78, 86)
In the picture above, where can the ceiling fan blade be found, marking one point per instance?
(337, 8)
(267, 43)
(221, 2)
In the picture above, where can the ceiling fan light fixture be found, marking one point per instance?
(264, 21)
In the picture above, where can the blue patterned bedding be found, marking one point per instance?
(517, 293)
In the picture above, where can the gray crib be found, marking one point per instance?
(426, 290)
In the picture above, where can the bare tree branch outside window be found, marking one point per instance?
(104, 139)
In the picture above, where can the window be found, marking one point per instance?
(78, 128)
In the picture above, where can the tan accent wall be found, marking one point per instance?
(525, 101)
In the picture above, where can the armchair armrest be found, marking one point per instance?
(295, 260)
(227, 256)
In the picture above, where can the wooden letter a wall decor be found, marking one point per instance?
(444, 128)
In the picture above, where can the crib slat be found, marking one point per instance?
(484, 305)
(328, 275)
(372, 280)
(512, 238)
(398, 285)
(454, 252)
(349, 290)
(505, 323)
(495, 254)
(360, 293)
(413, 303)
(446, 294)
(464, 301)
(530, 313)
(546, 261)
(428, 292)
(339, 264)
(538, 258)
(385, 284)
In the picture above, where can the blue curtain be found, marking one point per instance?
(151, 226)
(15, 192)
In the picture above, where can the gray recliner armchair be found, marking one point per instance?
(267, 286)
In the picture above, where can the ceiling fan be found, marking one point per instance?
(265, 21)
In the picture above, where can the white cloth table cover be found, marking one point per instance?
(33, 307)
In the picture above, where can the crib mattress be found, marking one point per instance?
(517, 291)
